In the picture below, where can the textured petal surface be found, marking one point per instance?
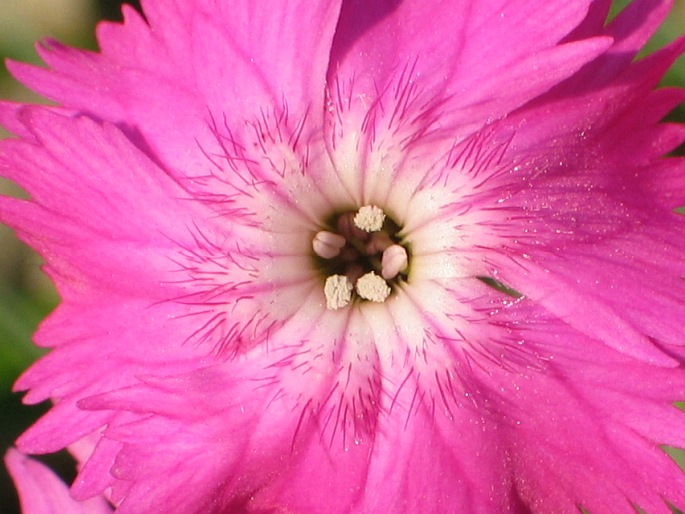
(377, 45)
(193, 60)
(266, 452)
(80, 230)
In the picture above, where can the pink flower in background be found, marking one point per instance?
(357, 256)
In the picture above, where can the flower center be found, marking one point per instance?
(360, 257)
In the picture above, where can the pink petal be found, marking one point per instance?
(131, 343)
(42, 492)
(631, 29)
(594, 22)
(195, 60)
(477, 67)
(596, 396)
(175, 195)
(459, 457)
(608, 82)
(73, 150)
(263, 458)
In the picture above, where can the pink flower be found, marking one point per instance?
(359, 256)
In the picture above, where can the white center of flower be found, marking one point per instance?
(363, 257)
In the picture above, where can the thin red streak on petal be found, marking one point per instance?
(373, 112)
(349, 375)
(294, 137)
(269, 135)
(206, 329)
(343, 425)
(238, 152)
(442, 394)
(405, 93)
(414, 405)
(288, 360)
(303, 412)
(330, 409)
(335, 408)
(399, 390)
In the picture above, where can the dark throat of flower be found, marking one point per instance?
(360, 256)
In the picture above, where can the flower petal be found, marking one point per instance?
(67, 171)
(600, 399)
(193, 60)
(80, 230)
(488, 47)
(42, 492)
(425, 460)
(263, 459)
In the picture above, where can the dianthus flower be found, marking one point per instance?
(357, 256)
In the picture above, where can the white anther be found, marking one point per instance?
(393, 261)
(372, 287)
(369, 218)
(327, 244)
(338, 291)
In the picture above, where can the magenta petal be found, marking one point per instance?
(217, 60)
(68, 374)
(263, 460)
(559, 464)
(42, 492)
(372, 40)
(455, 477)
(410, 39)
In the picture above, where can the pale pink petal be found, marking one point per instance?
(455, 441)
(608, 263)
(42, 492)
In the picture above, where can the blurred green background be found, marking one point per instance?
(26, 296)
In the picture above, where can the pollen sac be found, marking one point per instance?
(338, 291)
(373, 287)
(370, 218)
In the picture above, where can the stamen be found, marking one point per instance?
(369, 218)
(338, 291)
(362, 248)
(327, 244)
(373, 287)
(393, 261)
